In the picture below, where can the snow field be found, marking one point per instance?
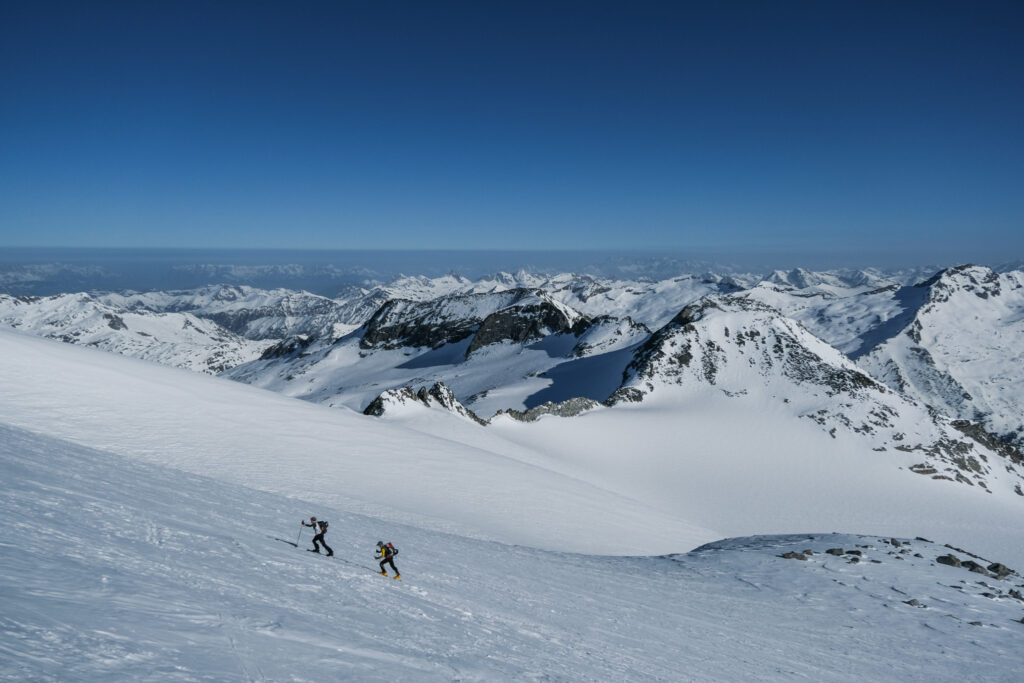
(114, 569)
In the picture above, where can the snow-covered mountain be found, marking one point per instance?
(177, 339)
(962, 349)
(749, 352)
(249, 312)
(514, 341)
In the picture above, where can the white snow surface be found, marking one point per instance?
(112, 569)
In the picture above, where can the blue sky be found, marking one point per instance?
(813, 126)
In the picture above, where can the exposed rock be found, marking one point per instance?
(568, 408)
(445, 397)
(951, 560)
(979, 434)
(624, 395)
(515, 315)
(974, 567)
(287, 347)
(379, 405)
(835, 551)
(1000, 570)
(115, 322)
(522, 323)
(438, 395)
(791, 555)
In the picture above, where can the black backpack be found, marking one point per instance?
(323, 526)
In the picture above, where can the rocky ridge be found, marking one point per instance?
(437, 396)
(738, 347)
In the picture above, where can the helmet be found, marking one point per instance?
(312, 519)
(380, 544)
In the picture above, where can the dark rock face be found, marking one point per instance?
(287, 347)
(519, 324)
(514, 315)
(951, 560)
(624, 395)
(115, 322)
(406, 323)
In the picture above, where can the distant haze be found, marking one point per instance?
(46, 271)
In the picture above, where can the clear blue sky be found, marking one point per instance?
(532, 125)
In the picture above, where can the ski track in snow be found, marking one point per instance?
(114, 569)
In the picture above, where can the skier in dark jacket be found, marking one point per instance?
(318, 539)
(387, 552)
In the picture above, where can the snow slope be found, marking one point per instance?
(113, 569)
(243, 435)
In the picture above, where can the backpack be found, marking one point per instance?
(394, 550)
(323, 525)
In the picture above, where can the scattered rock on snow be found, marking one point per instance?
(974, 567)
(1000, 570)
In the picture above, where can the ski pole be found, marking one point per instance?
(300, 534)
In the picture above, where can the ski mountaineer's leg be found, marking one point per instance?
(382, 570)
(316, 542)
(326, 547)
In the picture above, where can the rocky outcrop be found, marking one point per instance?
(523, 322)
(437, 396)
(432, 324)
(287, 347)
(516, 315)
(737, 347)
(703, 337)
(569, 408)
